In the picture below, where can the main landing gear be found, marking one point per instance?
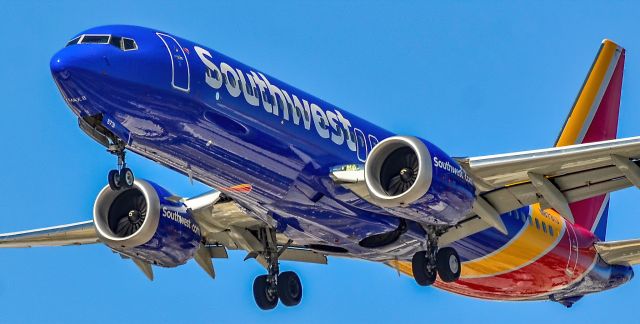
(121, 178)
(275, 285)
(444, 262)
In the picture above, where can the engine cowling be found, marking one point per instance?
(141, 222)
(414, 179)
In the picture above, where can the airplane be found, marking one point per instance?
(296, 178)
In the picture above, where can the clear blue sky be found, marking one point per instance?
(473, 77)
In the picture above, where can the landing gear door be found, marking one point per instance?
(180, 78)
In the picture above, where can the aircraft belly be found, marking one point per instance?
(287, 188)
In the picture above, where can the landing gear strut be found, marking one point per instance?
(121, 178)
(285, 286)
(433, 261)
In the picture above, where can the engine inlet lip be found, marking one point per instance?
(376, 159)
(149, 226)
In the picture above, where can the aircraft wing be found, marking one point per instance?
(620, 252)
(223, 224)
(70, 234)
(556, 176)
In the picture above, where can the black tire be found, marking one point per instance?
(289, 288)
(420, 268)
(448, 263)
(114, 180)
(126, 178)
(265, 299)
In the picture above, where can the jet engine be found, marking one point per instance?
(414, 179)
(145, 223)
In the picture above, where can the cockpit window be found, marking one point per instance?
(129, 44)
(123, 43)
(115, 41)
(95, 39)
(73, 41)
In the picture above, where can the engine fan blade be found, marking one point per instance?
(128, 212)
(400, 171)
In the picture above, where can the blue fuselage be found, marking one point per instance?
(171, 109)
(223, 123)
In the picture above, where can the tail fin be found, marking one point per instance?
(594, 117)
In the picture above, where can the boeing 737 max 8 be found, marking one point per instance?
(296, 178)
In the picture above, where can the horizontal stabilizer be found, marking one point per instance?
(620, 252)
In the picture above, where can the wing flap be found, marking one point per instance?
(226, 225)
(620, 252)
(495, 171)
(575, 187)
(578, 172)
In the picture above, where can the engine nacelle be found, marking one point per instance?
(141, 222)
(414, 179)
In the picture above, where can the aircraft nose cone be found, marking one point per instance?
(56, 64)
(60, 64)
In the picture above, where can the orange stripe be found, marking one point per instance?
(530, 245)
(587, 95)
(244, 188)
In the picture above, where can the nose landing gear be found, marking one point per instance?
(121, 178)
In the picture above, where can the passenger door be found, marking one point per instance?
(180, 78)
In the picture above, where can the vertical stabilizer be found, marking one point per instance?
(593, 118)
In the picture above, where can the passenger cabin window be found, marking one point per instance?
(544, 227)
(537, 224)
(550, 230)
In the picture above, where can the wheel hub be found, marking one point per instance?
(294, 290)
(453, 264)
